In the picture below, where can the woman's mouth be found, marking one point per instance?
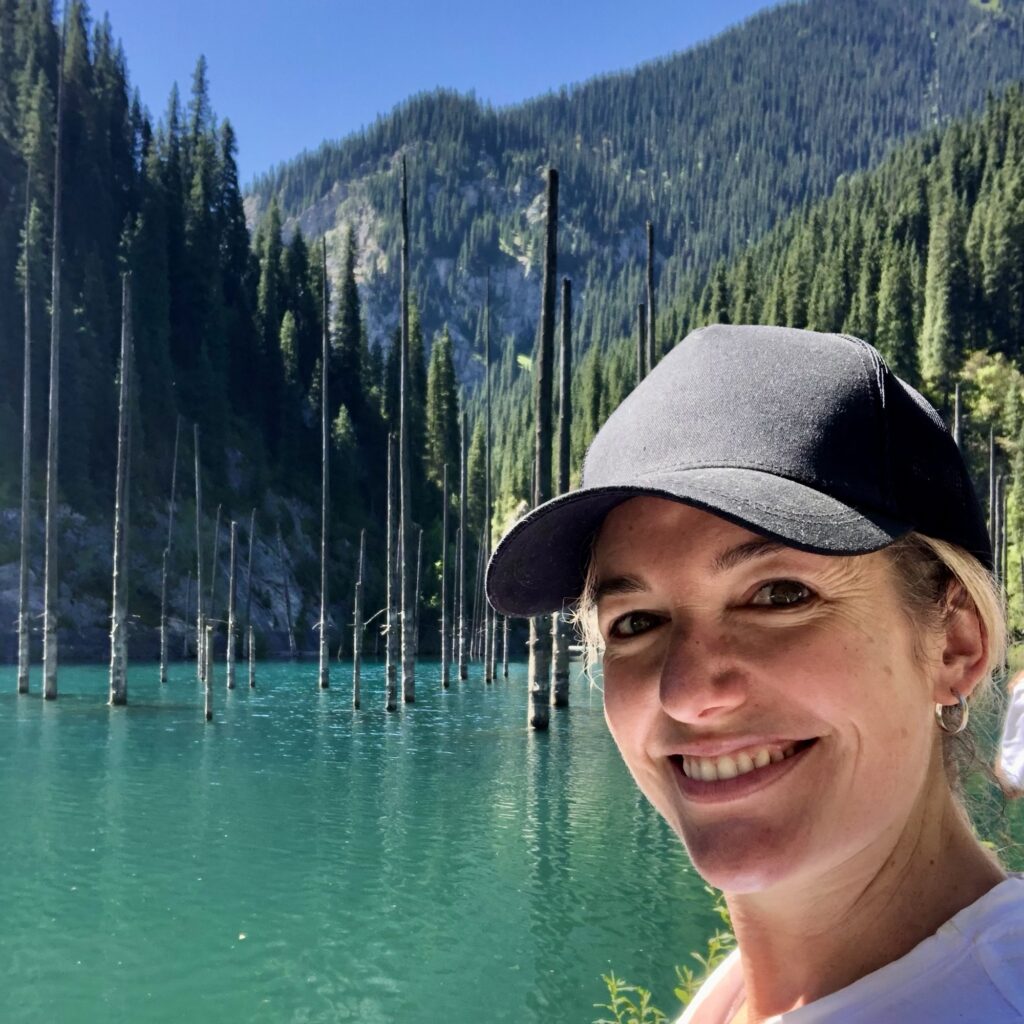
(729, 766)
(709, 779)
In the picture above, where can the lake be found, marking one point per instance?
(298, 861)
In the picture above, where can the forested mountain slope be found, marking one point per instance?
(227, 323)
(714, 145)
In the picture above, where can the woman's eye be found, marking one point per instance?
(781, 594)
(632, 624)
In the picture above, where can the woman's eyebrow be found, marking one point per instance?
(734, 556)
(618, 585)
(728, 559)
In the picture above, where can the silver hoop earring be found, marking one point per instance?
(961, 722)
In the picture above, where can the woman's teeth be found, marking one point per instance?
(711, 769)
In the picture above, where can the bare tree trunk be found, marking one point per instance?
(250, 637)
(24, 655)
(119, 602)
(200, 625)
(958, 427)
(504, 646)
(494, 642)
(232, 627)
(488, 510)
(357, 623)
(53, 427)
(208, 671)
(325, 438)
(391, 647)
(444, 578)
(405, 499)
(652, 344)
(167, 556)
(252, 658)
(287, 594)
(540, 651)
(641, 342)
(560, 626)
(462, 551)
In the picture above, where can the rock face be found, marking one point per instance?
(84, 567)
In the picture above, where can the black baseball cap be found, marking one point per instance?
(803, 437)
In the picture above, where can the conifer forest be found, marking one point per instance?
(299, 412)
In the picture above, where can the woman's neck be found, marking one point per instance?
(809, 938)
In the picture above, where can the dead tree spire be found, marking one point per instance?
(53, 426)
(407, 614)
(540, 651)
(325, 671)
(24, 655)
(119, 603)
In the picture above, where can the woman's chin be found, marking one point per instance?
(741, 856)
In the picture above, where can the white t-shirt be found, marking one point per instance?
(970, 970)
(1011, 750)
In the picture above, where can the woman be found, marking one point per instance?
(778, 550)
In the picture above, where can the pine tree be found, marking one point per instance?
(442, 427)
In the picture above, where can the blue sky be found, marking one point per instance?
(289, 75)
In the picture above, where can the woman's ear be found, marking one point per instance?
(962, 648)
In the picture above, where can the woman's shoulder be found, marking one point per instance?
(971, 969)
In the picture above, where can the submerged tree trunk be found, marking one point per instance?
(208, 671)
(325, 438)
(462, 551)
(167, 556)
(119, 603)
(24, 655)
(444, 578)
(560, 625)
(540, 651)
(652, 344)
(357, 623)
(405, 500)
(232, 628)
(250, 638)
(200, 625)
(488, 511)
(53, 426)
(287, 595)
(391, 628)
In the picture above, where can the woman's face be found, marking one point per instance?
(767, 701)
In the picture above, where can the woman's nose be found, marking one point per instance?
(701, 677)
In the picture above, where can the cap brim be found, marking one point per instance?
(539, 566)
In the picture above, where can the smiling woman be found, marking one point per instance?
(778, 556)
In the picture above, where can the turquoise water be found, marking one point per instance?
(296, 861)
